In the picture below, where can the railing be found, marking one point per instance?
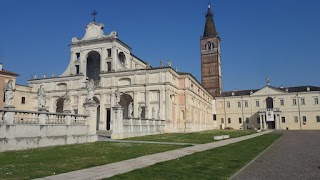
(270, 109)
(143, 125)
(8, 116)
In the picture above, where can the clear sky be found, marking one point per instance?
(275, 38)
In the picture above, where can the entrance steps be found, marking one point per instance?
(104, 133)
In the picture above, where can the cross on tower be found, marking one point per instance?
(94, 13)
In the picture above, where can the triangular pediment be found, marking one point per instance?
(268, 90)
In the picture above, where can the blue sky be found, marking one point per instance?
(259, 38)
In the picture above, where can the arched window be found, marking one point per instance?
(93, 65)
(210, 45)
(122, 58)
(59, 105)
(269, 102)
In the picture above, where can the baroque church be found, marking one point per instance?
(161, 99)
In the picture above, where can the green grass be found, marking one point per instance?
(219, 163)
(194, 137)
(42, 162)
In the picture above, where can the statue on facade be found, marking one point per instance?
(90, 90)
(130, 110)
(168, 63)
(8, 93)
(66, 103)
(118, 96)
(153, 113)
(139, 111)
(41, 98)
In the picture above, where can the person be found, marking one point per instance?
(41, 97)
(90, 90)
(9, 94)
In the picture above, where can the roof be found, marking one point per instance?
(9, 73)
(209, 29)
(285, 89)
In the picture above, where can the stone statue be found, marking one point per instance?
(153, 113)
(117, 94)
(161, 63)
(130, 110)
(168, 63)
(41, 98)
(90, 90)
(139, 111)
(8, 93)
(66, 103)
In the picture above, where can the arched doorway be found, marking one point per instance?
(93, 65)
(125, 101)
(59, 105)
(269, 102)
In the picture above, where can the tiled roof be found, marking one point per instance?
(5, 72)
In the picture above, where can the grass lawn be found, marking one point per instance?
(219, 163)
(194, 137)
(42, 162)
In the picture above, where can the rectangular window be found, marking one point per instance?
(318, 118)
(304, 118)
(109, 52)
(228, 104)
(281, 102)
(240, 120)
(283, 119)
(78, 56)
(239, 104)
(222, 121)
(294, 102)
(109, 66)
(303, 101)
(245, 103)
(316, 101)
(229, 120)
(23, 100)
(75, 111)
(296, 119)
(257, 104)
(77, 69)
(247, 120)
(258, 119)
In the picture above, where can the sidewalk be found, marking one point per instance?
(109, 170)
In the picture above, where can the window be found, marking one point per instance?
(316, 101)
(281, 102)
(214, 117)
(283, 119)
(109, 66)
(240, 120)
(239, 104)
(294, 102)
(318, 118)
(222, 121)
(23, 100)
(77, 69)
(245, 103)
(78, 56)
(229, 120)
(247, 120)
(257, 103)
(303, 101)
(75, 111)
(228, 104)
(296, 119)
(258, 119)
(109, 52)
(304, 118)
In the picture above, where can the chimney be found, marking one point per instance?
(0, 66)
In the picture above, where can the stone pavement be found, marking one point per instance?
(109, 170)
(296, 155)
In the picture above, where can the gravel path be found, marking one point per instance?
(295, 156)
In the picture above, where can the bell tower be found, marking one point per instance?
(210, 57)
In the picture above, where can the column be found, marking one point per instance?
(260, 121)
(276, 121)
(91, 107)
(117, 131)
(135, 104)
(264, 123)
(103, 112)
(280, 121)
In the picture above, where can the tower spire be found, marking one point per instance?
(209, 29)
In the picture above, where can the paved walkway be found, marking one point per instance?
(295, 156)
(121, 167)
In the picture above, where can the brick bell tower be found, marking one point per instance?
(210, 57)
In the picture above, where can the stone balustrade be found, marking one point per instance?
(10, 116)
(139, 127)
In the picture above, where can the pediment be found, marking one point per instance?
(268, 90)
